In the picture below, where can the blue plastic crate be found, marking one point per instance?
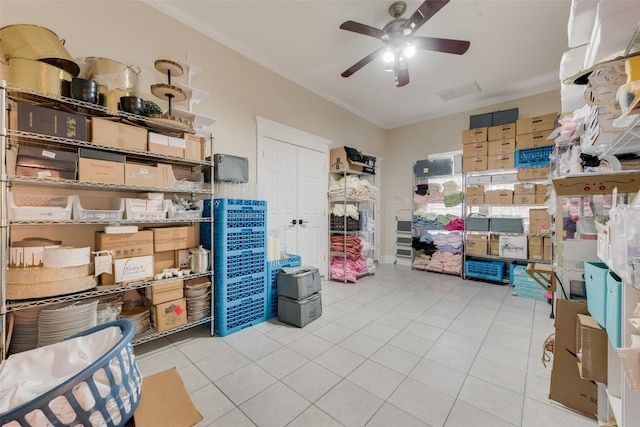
(240, 239)
(530, 157)
(239, 213)
(240, 288)
(490, 270)
(516, 269)
(272, 276)
(230, 318)
(230, 265)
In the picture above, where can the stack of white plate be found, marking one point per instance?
(58, 323)
(25, 330)
(198, 296)
(140, 318)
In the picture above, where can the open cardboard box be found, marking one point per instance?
(164, 402)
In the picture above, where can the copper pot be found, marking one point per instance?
(28, 41)
(37, 75)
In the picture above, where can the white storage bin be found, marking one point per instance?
(196, 182)
(178, 212)
(102, 208)
(38, 207)
(134, 211)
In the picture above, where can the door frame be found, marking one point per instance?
(267, 128)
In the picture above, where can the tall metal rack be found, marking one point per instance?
(12, 92)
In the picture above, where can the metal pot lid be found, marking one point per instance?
(199, 250)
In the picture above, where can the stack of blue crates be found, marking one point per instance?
(240, 267)
(272, 286)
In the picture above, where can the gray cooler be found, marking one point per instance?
(299, 312)
(298, 282)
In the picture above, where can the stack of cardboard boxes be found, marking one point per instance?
(144, 254)
(533, 133)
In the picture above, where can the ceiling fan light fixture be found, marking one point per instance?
(388, 56)
(409, 50)
(388, 67)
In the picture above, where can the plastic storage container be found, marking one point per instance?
(138, 213)
(273, 267)
(490, 270)
(39, 207)
(178, 212)
(299, 312)
(595, 274)
(613, 312)
(97, 208)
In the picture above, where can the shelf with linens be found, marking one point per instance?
(57, 177)
(352, 208)
(437, 222)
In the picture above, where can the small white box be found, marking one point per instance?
(513, 247)
(177, 142)
(157, 138)
(155, 205)
(136, 268)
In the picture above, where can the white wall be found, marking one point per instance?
(136, 34)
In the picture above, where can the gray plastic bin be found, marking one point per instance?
(507, 225)
(299, 312)
(476, 222)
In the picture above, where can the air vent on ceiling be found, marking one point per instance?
(459, 91)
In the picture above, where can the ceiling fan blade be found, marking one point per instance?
(423, 14)
(401, 74)
(356, 27)
(364, 61)
(457, 47)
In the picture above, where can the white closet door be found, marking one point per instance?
(295, 182)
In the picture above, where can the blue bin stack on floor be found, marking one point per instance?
(240, 267)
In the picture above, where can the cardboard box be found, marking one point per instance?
(118, 135)
(475, 200)
(567, 387)
(126, 245)
(498, 197)
(157, 138)
(547, 251)
(44, 173)
(93, 170)
(501, 161)
(474, 190)
(536, 248)
(143, 174)
(474, 135)
(626, 182)
(348, 158)
(534, 139)
(177, 142)
(475, 149)
(529, 188)
(165, 402)
(44, 163)
(169, 315)
(524, 199)
(534, 173)
(476, 244)
(592, 344)
(513, 246)
(539, 221)
(173, 238)
(500, 132)
(47, 121)
(163, 260)
(169, 290)
(494, 244)
(47, 154)
(503, 146)
(194, 148)
(541, 198)
(536, 124)
(132, 269)
(166, 150)
(474, 163)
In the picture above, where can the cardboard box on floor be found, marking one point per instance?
(567, 387)
(164, 402)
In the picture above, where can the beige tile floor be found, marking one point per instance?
(401, 348)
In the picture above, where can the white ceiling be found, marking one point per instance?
(516, 46)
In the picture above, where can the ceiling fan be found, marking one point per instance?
(399, 40)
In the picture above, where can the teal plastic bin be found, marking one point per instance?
(614, 309)
(596, 283)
